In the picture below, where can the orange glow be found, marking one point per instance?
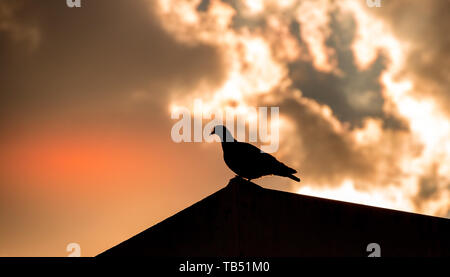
(85, 159)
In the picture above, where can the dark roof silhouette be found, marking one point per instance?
(247, 160)
(244, 219)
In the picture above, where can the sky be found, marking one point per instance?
(87, 95)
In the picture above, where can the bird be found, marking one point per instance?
(247, 160)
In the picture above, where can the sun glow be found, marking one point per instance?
(348, 193)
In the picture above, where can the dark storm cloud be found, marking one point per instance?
(353, 95)
(87, 57)
(424, 24)
(429, 186)
(328, 156)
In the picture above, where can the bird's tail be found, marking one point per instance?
(295, 178)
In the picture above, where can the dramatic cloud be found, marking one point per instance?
(342, 78)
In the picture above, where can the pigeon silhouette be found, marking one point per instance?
(247, 160)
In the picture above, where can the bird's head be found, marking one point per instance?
(222, 132)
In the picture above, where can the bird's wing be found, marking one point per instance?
(262, 159)
(277, 165)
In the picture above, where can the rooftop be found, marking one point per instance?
(244, 219)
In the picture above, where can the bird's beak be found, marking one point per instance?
(212, 132)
